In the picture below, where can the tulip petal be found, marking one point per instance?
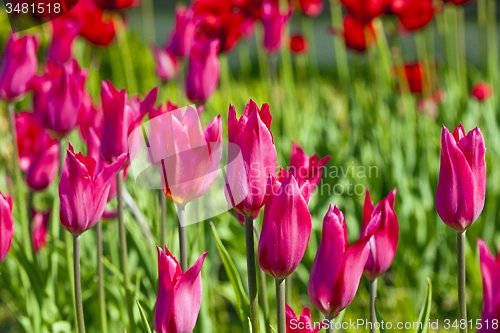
(490, 270)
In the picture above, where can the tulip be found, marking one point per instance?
(64, 32)
(43, 170)
(203, 72)
(19, 64)
(116, 4)
(83, 191)
(490, 270)
(385, 240)
(482, 91)
(58, 97)
(90, 117)
(337, 268)
(167, 66)
(355, 33)
(303, 324)
(413, 14)
(286, 227)
(95, 26)
(298, 44)
(415, 76)
(274, 23)
(364, 10)
(306, 168)
(462, 178)
(183, 35)
(169, 106)
(311, 8)
(6, 225)
(179, 294)
(40, 229)
(120, 118)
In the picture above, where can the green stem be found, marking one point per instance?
(373, 295)
(252, 275)
(331, 324)
(280, 305)
(69, 267)
(225, 75)
(462, 303)
(338, 41)
(78, 285)
(124, 252)
(128, 66)
(181, 214)
(492, 54)
(148, 21)
(244, 58)
(288, 282)
(461, 51)
(163, 217)
(103, 324)
(308, 27)
(262, 285)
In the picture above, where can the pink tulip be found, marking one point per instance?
(19, 63)
(40, 229)
(203, 71)
(252, 134)
(44, 167)
(462, 178)
(58, 97)
(305, 168)
(274, 23)
(482, 91)
(6, 225)
(490, 270)
(167, 66)
(120, 118)
(83, 192)
(303, 324)
(338, 267)
(385, 240)
(286, 228)
(169, 106)
(90, 117)
(181, 39)
(311, 7)
(179, 294)
(64, 32)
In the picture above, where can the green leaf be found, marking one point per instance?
(379, 318)
(425, 312)
(242, 302)
(147, 328)
(272, 329)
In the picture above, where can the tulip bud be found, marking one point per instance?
(482, 91)
(413, 14)
(364, 10)
(337, 268)
(356, 33)
(385, 240)
(179, 294)
(181, 39)
(203, 71)
(252, 134)
(462, 178)
(6, 225)
(83, 192)
(19, 64)
(311, 8)
(44, 167)
(305, 168)
(167, 66)
(64, 32)
(490, 270)
(286, 227)
(303, 324)
(415, 76)
(274, 23)
(40, 229)
(298, 44)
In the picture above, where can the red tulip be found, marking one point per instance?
(355, 33)
(286, 227)
(462, 178)
(459, 2)
(385, 240)
(40, 229)
(167, 66)
(252, 134)
(6, 225)
(490, 270)
(338, 267)
(305, 168)
(83, 191)
(298, 44)
(58, 97)
(64, 32)
(303, 324)
(44, 167)
(364, 10)
(95, 26)
(203, 71)
(251, 8)
(19, 63)
(274, 23)
(89, 117)
(120, 118)
(311, 7)
(413, 14)
(179, 294)
(482, 91)
(415, 76)
(182, 37)
(116, 4)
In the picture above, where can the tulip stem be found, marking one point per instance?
(123, 250)
(103, 325)
(280, 304)
(462, 303)
(373, 295)
(163, 217)
(331, 324)
(252, 275)
(181, 214)
(78, 284)
(262, 286)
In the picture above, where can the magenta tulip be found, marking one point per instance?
(286, 227)
(19, 63)
(490, 270)
(338, 267)
(303, 324)
(482, 91)
(120, 118)
(64, 32)
(167, 66)
(203, 71)
(40, 229)
(305, 168)
(90, 117)
(179, 294)
(58, 97)
(274, 23)
(252, 134)
(83, 191)
(44, 167)
(462, 178)
(6, 225)
(182, 37)
(385, 240)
